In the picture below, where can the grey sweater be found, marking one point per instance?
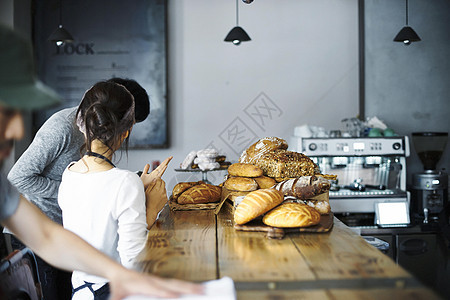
(37, 173)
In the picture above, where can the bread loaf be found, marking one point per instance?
(257, 203)
(283, 163)
(244, 170)
(265, 182)
(292, 214)
(323, 207)
(180, 187)
(241, 184)
(304, 187)
(261, 147)
(201, 193)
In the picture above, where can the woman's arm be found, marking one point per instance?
(155, 199)
(47, 150)
(66, 250)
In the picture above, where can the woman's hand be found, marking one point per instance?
(155, 199)
(131, 283)
(156, 173)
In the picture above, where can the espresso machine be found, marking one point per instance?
(429, 188)
(369, 171)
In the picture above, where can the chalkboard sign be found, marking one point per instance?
(112, 38)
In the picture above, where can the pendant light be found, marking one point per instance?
(237, 34)
(60, 35)
(407, 34)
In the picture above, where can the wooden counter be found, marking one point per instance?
(199, 246)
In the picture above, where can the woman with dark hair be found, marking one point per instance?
(105, 205)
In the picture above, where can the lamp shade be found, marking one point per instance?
(60, 36)
(407, 35)
(237, 35)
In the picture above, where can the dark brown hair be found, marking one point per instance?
(105, 113)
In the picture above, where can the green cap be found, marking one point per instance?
(19, 87)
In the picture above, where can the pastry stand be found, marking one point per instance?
(204, 173)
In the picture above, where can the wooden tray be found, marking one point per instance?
(325, 225)
(175, 206)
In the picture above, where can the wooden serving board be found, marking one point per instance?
(175, 206)
(325, 225)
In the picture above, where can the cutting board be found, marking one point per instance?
(325, 225)
(227, 200)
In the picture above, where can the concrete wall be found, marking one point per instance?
(408, 86)
(303, 58)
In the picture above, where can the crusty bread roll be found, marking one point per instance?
(180, 187)
(244, 170)
(200, 193)
(323, 207)
(261, 147)
(304, 187)
(265, 182)
(292, 214)
(257, 203)
(241, 184)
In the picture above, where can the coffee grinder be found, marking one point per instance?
(430, 188)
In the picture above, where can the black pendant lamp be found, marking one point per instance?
(237, 34)
(407, 35)
(60, 35)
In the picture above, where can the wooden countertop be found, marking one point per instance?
(199, 246)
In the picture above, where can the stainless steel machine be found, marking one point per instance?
(369, 171)
(429, 188)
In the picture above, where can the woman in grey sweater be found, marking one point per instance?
(37, 175)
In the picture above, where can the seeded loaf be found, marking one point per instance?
(286, 164)
(261, 147)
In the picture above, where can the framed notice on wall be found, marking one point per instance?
(112, 38)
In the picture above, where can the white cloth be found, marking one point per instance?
(221, 289)
(107, 209)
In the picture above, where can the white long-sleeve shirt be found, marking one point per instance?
(107, 209)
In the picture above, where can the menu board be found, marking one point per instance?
(112, 38)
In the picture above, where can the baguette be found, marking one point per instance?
(304, 187)
(257, 203)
